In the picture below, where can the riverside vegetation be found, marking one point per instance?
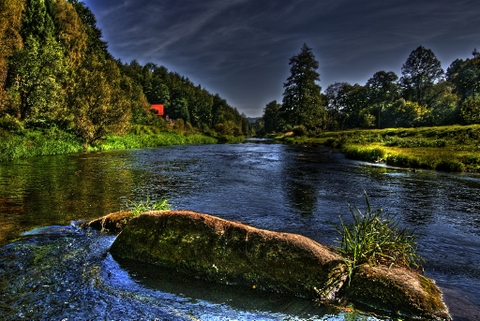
(445, 148)
(24, 143)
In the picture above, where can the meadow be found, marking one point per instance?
(445, 148)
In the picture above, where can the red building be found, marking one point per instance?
(158, 109)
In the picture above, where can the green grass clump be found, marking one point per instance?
(369, 154)
(376, 239)
(140, 207)
(40, 142)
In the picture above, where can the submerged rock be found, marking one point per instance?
(210, 248)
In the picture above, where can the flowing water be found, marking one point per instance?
(52, 269)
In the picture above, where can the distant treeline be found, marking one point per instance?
(424, 95)
(56, 71)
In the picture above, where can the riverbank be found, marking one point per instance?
(446, 148)
(23, 144)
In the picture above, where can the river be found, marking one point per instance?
(52, 269)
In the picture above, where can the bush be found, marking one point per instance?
(450, 166)
(401, 160)
(300, 131)
(364, 153)
(10, 123)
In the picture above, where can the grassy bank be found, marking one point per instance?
(52, 141)
(446, 148)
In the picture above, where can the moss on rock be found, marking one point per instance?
(214, 249)
(397, 290)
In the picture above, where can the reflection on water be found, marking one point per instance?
(278, 187)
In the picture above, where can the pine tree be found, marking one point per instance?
(302, 102)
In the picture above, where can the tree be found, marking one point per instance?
(70, 31)
(40, 75)
(302, 102)
(101, 100)
(404, 113)
(95, 44)
(382, 91)
(271, 117)
(335, 105)
(419, 73)
(37, 23)
(10, 41)
(465, 76)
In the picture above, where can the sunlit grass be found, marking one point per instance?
(147, 205)
(53, 141)
(448, 148)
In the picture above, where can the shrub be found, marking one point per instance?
(300, 131)
(10, 123)
(403, 161)
(364, 153)
(450, 166)
(374, 238)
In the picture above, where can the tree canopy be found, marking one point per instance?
(423, 96)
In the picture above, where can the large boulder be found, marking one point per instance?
(210, 248)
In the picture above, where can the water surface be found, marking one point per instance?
(278, 187)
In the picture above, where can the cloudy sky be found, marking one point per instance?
(240, 49)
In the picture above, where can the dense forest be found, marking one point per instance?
(424, 95)
(56, 72)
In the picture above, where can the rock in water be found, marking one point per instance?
(213, 249)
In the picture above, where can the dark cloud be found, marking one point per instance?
(241, 48)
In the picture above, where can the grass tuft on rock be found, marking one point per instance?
(140, 207)
(375, 238)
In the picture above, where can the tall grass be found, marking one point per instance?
(37, 143)
(23, 143)
(132, 141)
(376, 239)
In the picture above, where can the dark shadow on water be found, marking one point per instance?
(237, 297)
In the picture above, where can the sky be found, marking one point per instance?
(241, 49)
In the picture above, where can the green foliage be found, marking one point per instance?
(140, 207)
(375, 238)
(41, 74)
(419, 73)
(152, 139)
(302, 101)
(369, 154)
(49, 141)
(101, 101)
(300, 130)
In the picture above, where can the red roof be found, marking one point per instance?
(158, 109)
